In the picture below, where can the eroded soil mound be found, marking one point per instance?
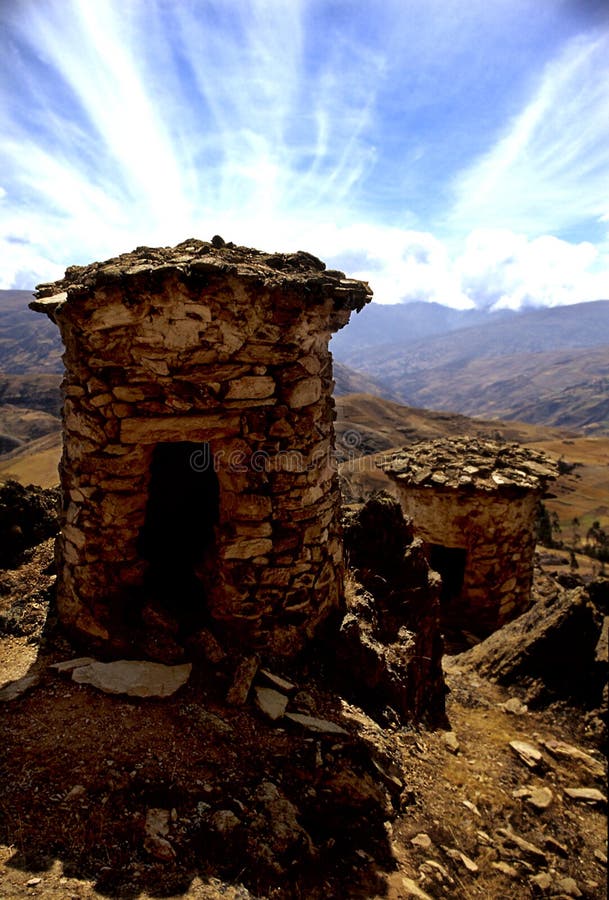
(389, 647)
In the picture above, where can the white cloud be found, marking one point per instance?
(24, 267)
(499, 268)
(495, 268)
(401, 265)
(144, 135)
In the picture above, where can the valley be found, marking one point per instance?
(368, 426)
(548, 366)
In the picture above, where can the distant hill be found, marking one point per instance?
(545, 365)
(565, 388)
(29, 342)
(30, 367)
(366, 424)
(35, 462)
(350, 381)
(31, 392)
(428, 330)
(404, 323)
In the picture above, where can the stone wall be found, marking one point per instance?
(224, 351)
(480, 497)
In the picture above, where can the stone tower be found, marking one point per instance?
(474, 502)
(198, 477)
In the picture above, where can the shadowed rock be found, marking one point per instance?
(390, 645)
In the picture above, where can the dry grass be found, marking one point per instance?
(37, 464)
(584, 493)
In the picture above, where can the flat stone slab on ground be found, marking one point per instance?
(586, 795)
(282, 684)
(242, 681)
(421, 840)
(526, 846)
(270, 702)
(539, 797)
(322, 726)
(514, 706)
(529, 755)
(68, 665)
(461, 857)
(568, 751)
(136, 678)
(156, 830)
(412, 889)
(451, 741)
(15, 689)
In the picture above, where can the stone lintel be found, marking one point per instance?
(143, 430)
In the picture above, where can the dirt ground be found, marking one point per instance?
(80, 772)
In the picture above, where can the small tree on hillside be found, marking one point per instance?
(597, 541)
(547, 527)
(575, 524)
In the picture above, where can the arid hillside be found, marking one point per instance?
(547, 366)
(29, 344)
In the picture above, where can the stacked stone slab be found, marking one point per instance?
(204, 342)
(482, 497)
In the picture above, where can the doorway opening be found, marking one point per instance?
(177, 538)
(450, 563)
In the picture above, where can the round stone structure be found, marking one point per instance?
(199, 488)
(475, 502)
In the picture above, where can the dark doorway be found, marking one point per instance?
(178, 534)
(450, 563)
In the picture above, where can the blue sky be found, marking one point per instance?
(442, 150)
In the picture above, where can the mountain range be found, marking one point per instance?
(547, 366)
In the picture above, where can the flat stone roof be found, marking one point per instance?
(468, 464)
(147, 267)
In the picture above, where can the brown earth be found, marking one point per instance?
(34, 464)
(80, 770)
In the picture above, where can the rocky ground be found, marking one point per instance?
(191, 796)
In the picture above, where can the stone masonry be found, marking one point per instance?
(474, 502)
(198, 479)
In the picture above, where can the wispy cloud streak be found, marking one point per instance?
(154, 121)
(550, 169)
